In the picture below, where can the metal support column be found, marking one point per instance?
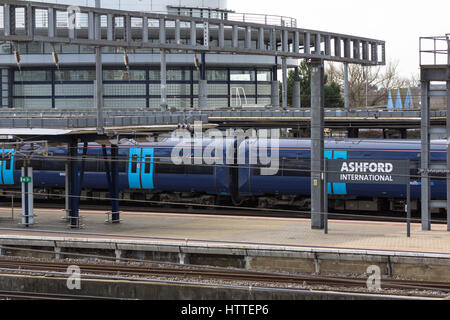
(67, 192)
(448, 132)
(317, 144)
(99, 90)
(74, 185)
(27, 195)
(115, 213)
(275, 86)
(346, 93)
(98, 75)
(425, 157)
(448, 146)
(404, 133)
(296, 95)
(353, 133)
(203, 85)
(285, 82)
(164, 104)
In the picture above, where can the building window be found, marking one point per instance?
(35, 75)
(217, 75)
(75, 75)
(242, 75)
(264, 76)
(124, 75)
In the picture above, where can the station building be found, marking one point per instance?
(233, 80)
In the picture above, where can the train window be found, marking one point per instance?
(19, 164)
(134, 162)
(289, 168)
(36, 164)
(122, 164)
(8, 164)
(54, 165)
(258, 172)
(148, 162)
(170, 168)
(91, 164)
(203, 169)
(296, 168)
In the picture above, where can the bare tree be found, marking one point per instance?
(369, 86)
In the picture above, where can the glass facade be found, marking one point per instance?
(72, 88)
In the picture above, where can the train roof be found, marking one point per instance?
(364, 144)
(371, 144)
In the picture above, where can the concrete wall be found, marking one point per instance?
(123, 289)
(419, 266)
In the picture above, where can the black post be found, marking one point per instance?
(408, 204)
(115, 184)
(325, 195)
(74, 184)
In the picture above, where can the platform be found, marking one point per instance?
(359, 235)
(251, 243)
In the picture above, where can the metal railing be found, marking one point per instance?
(435, 50)
(62, 19)
(263, 19)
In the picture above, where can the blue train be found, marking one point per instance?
(146, 171)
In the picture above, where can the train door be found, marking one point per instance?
(140, 168)
(134, 168)
(7, 166)
(224, 174)
(336, 188)
(147, 168)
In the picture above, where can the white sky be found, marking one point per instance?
(400, 23)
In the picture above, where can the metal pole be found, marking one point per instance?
(203, 85)
(317, 143)
(408, 204)
(99, 80)
(346, 94)
(296, 94)
(99, 90)
(164, 104)
(67, 193)
(27, 195)
(448, 132)
(285, 80)
(425, 157)
(448, 149)
(325, 194)
(275, 98)
(12, 207)
(115, 213)
(367, 85)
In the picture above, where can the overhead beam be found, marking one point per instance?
(284, 41)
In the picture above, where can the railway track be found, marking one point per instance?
(21, 295)
(221, 274)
